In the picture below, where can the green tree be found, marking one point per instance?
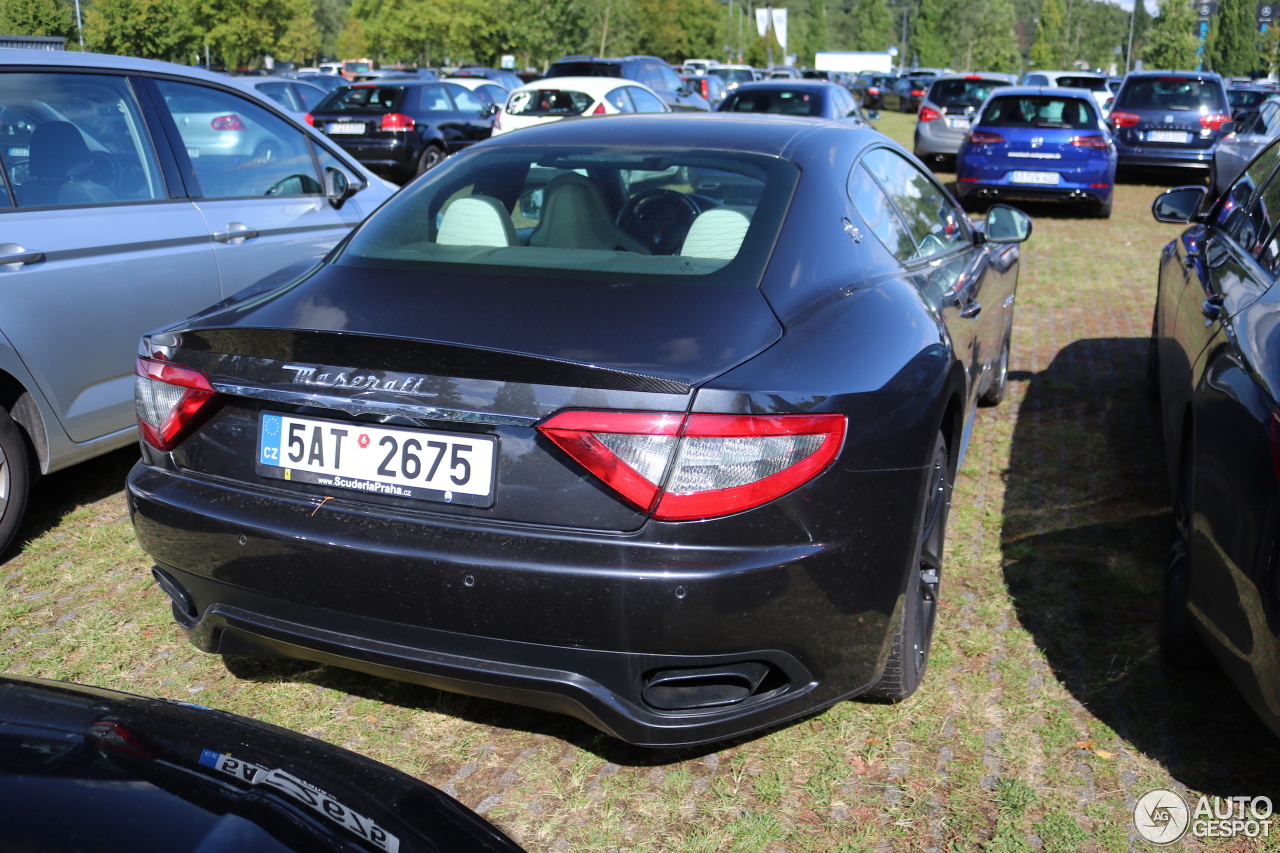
(152, 29)
(931, 34)
(678, 29)
(1047, 51)
(241, 31)
(34, 18)
(1233, 49)
(874, 30)
(992, 43)
(1172, 41)
(1270, 49)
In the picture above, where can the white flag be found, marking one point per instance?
(780, 27)
(762, 21)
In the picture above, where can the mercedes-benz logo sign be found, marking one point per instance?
(1161, 816)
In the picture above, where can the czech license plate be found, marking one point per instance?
(1167, 136)
(345, 127)
(1042, 178)
(961, 123)
(407, 463)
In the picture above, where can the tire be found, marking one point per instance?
(15, 480)
(1102, 210)
(913, 635)
(1153, 363)
(1000, 383)
(433, 155)
(1180, 642)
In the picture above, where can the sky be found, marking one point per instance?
(1128, 4)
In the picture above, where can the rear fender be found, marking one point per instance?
(22, 399)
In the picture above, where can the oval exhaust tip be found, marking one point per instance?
(703, 687)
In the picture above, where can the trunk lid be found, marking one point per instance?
(470, 356)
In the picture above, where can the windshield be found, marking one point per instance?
(1172, 93)
(1039, 111)
(732, 75)
(1089, 83)
(548, 102)
(780, 101)
(1246, 99)
(963, 93)
(598, 212)
(362, 98)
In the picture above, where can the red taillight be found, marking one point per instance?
(231, 121)
(168, 398)
(700, 466)
(599, 110)
(309, 119)
(873, 91)
(397, 122)
(981, 137)
(969, 180)
(972, 77)
(1119, 118)
(917, 93)
(705, 87)
(929, 114)
(1092, 141)
(1214, 121)
(1100, 186)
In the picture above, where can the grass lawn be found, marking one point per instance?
(1044, 716)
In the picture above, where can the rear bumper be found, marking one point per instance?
(976, 178)
(934, 137)
(554, 619)
(396, 156)
(1194, 158)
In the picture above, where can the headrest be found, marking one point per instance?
(57, 147)
(476, 221)
(716, 233)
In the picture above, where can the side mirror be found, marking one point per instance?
(873, 115)
(491, 110)
(338, 187)
(1229, 127)
(1178, 205)
(1007, 225)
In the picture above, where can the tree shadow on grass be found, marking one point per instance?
(1087, 529)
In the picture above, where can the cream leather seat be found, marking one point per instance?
(574, 216)
(476, 221)
(716, 233)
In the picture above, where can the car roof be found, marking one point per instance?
(1206, 75)
(1082, 94)
(473, 83)
(800, 84)
(17, 56)
(1069, 73)
(980, 75)
(594, 86)
(757, 133)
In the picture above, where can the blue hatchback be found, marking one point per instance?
(1038, 144)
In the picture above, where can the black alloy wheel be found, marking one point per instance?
(431, 157)
(1180, 643)
(909, 656)
(15, 479)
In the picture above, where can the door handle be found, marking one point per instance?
(13, 256)
(971, 310)
(1211, 308)
(235, 232)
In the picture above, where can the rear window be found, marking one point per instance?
(362, 98)
(549, 102)
(1092, 84)
(1039, 111)
(1246, 99)
(963, 93)
(732, 75)
(597, 212)
(584, 69)
(1171, 93)
(780, 101)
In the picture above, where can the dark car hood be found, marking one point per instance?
(680, 332)
(84, 768)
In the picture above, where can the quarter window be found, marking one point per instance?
(466, 101)
(931, 219)
(237, 148)
(644, 101)
(878, 213)
(75, 139)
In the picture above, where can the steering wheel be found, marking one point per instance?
(659, 218)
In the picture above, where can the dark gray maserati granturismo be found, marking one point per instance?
(650, 420)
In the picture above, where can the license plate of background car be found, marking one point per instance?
(345, 127)
(1049, 178)
(453, 468)
(958, 123)
(1167, 136)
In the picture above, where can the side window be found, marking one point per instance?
(644, 101)
(74, 139)
(932, 220)
(876, 211)
(308, 95)
(280, 93)
(1261, 219)
(670, 80)
(1235, 208)
(436, 100)
(466, 100)
(651, 76)
(620, 100)
(237, 148)
(1266, 121)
